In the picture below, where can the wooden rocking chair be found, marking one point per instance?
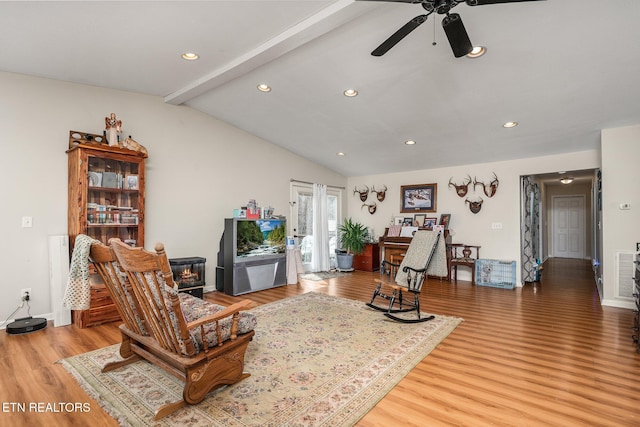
(163, 326)
(411, 273)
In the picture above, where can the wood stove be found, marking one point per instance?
(188, 274)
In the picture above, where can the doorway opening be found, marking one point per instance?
(302, 221)
(560, 217)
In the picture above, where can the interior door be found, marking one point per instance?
(302, 220)
(568, 226)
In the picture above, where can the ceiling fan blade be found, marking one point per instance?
(399, 35)
(457, 35)
(398, 1)
(483, 2)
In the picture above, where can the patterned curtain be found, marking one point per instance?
(530, 229)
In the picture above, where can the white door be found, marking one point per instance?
(568, 226)
(302, 220)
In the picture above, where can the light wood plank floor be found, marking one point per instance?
(544, 355)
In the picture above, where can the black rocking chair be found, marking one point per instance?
(409, 277)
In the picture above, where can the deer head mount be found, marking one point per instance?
(474, 206)
(489, 189)
(371, 207)
(363, 193)
(463, 188)
(380, 194)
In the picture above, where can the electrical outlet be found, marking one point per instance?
(24, 292)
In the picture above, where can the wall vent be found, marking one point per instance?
(625, 269)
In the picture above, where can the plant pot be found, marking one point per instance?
(345, 262)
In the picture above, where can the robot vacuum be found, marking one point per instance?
(26, 325)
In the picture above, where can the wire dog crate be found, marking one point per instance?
(496, 273)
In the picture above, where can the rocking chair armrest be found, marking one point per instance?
(415, 270)
(228, 311)
(384, 262)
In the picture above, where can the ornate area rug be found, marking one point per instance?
(315, 360)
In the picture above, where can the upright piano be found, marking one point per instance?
(392, 247)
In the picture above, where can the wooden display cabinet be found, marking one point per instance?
(106, 199)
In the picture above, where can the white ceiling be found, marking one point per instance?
(562, 69)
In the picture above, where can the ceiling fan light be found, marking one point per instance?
(477, 52)
(457, 35)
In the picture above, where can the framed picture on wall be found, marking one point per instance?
(418, 198)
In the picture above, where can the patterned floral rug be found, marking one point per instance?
(315, 360)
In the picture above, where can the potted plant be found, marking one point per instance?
(353, 236)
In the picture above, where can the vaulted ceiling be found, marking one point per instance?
(563, 70)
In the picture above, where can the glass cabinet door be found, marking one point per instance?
(113, 200)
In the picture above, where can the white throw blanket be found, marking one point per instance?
(77, 296)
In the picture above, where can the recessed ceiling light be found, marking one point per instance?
(190, 56)
(566, 180)
(477, 52)
(410, 142)
(510, 124)
(350, 93)
(264, 88)
(339, 153)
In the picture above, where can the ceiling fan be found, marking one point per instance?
(451, 23)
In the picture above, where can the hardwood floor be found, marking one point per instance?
(543, 355)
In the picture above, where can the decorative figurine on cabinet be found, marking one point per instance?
(113, 128)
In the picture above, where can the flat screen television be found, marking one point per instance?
(259, 238)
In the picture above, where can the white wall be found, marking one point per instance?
(199, 169)
(476, 229)
(621, 229)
